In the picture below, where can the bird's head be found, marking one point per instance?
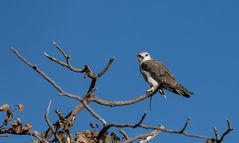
(143, 56)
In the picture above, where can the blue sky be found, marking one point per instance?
(197, 40)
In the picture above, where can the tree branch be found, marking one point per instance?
(29, 132)
(229, 129)
(124, 134)
(106, 67)
(34, 67)
(108, 126)
(69, 66)
(122, 103)
(185, 125)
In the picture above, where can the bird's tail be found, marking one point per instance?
(181, 90)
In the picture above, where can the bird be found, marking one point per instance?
(159, 77)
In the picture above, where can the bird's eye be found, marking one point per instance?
(146, 54)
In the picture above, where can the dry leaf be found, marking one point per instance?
(18, 129)
(13, 124)
(20, 107)
(88, 133)
(94, 133)
(80, 137)
(4, 107)
(60, 134)
(26, 127)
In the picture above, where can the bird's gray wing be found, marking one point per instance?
(159, 72)
(164, 77)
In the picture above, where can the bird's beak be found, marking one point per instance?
(140, 56)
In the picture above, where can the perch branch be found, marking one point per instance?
(122, 103)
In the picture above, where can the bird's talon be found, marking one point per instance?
(150, 90)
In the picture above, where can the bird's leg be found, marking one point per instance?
(161, 92)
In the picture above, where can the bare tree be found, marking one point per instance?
(60, 132)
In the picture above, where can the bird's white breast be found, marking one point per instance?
(149, 78)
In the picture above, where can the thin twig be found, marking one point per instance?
(60, 49)
(67, 65)
(106, 67)
(145, 137)
(173, 131)
(185, 125)
(229, 129)
(124, 134)
(49, 123)
(216, 133)
(141, 120)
